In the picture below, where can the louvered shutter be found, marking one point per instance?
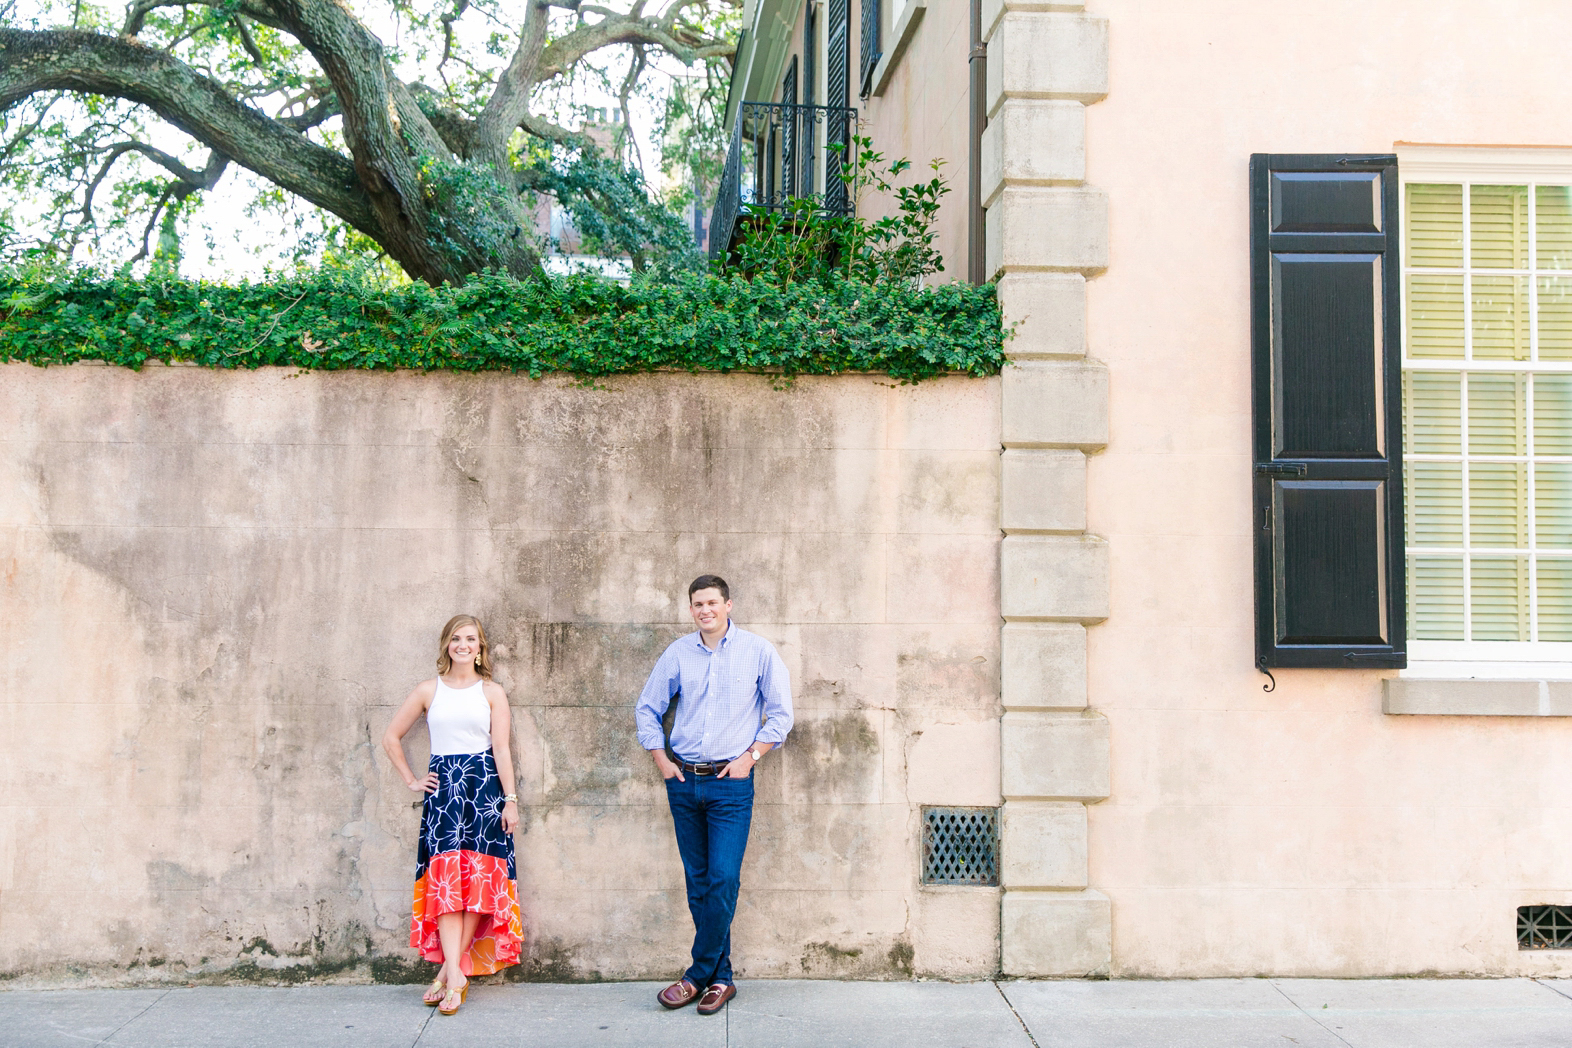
(790, 127)
(837, 87)
(1327, 427)
(871, 52)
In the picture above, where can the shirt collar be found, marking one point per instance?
(698, 637)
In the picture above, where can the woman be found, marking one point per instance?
(466, 897)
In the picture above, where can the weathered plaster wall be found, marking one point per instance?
(215, 588)
(1300, 832)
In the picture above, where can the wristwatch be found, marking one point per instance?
(754, 752)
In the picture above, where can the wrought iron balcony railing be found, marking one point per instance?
(778, 154)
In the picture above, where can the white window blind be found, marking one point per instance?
(1487, 413)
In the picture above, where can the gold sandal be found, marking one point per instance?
(461, 993)
(437, 987)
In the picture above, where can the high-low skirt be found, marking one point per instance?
(465, 863)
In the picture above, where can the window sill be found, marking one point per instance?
(901, 33)
(1477, 697)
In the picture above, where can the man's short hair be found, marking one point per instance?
(709, 582)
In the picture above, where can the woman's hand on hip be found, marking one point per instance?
(510, 816)
(427, 785)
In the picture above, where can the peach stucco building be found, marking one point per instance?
(1311, 417)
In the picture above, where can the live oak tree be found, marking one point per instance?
(429, 147)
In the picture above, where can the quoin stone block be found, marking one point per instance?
(1043, 666)
(1063, 577)
(1033, 141)
(1054, 756)
(1055, 933)
(1062, 403)
(1051, 54)
(1043, 491)
(1046, 312)
(1043, 845)
(1032, 227)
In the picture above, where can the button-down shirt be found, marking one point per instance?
(731, 697)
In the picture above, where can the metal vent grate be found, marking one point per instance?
(1544, 927)
(960, 846)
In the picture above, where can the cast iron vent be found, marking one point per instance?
(1544, 927)
(960, 846)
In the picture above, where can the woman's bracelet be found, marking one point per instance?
(510, 798)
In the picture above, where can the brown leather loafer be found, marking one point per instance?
(715, 998)
(678, 994)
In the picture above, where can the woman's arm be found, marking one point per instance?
(501, 737)
(393, 738)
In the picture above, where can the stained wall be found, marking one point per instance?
(217, 587)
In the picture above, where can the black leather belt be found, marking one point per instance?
(701, 768)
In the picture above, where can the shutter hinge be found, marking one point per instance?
(1281, 469)
(1375, 654)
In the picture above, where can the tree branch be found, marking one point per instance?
(91, 63)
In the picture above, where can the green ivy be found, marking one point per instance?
(583, 325)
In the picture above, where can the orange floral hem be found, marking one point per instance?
(469, 882)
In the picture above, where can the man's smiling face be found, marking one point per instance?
(710, 610)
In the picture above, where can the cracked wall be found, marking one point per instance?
(218, 586)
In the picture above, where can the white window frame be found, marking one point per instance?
(1493, 165)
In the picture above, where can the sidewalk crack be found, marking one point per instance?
(1011, 1005)
(134, 1018)
(1308, 1015)
(429, 1013)
(1554, 989)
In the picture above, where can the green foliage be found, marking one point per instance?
(335, 320)
(611, 207)
(798, 242)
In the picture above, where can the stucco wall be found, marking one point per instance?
(1300, 832)
(217, 586)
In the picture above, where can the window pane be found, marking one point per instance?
(1435, 316)
(1435, 597)
(1496, 423)
(1553, 239)
(1498, 219)
(1553, 414)
(1499, 604)
(1498, 504)
(1435, 225)
(1432, 412)
(1434, 495)
(1553, 505)
(1555, 318)
(1555, 600)
(1500, 318)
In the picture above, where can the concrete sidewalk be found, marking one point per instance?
(1217, 1013)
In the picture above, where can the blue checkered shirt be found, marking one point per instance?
(731, 697)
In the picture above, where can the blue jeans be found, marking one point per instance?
(711, 817)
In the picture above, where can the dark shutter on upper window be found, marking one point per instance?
(1328, 432)
(871, 52)
(790, 128)
(837, 84)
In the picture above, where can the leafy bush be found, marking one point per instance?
(583, 325)
(795, 241)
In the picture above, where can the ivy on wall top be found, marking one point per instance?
(582, 325)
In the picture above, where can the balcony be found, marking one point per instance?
(780, 153)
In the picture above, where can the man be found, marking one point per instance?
(733, 707)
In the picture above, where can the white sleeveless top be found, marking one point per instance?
(459, 720)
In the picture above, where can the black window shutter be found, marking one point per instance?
(837, 77)
(870, 45)
(1327, 411)
(789, 128)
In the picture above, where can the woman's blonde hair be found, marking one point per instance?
(444, 663)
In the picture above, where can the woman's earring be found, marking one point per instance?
(477, 660)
